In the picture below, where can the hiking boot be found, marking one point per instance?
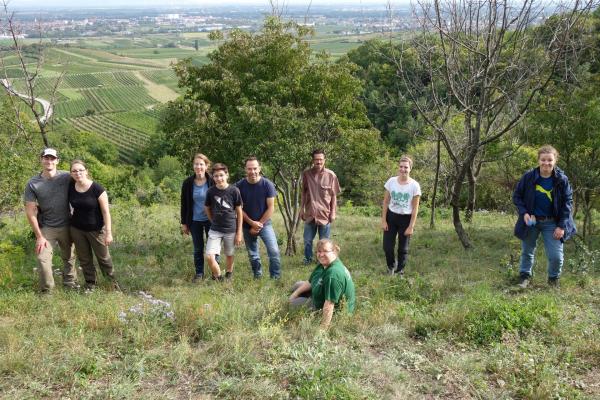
(554, 282)
(198, 278)
(228, 275)
(524, 281)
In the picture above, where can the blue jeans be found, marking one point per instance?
(553, 248)
(310, 231)
(199, 230)
(267, 234)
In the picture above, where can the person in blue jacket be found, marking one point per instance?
(544, 199)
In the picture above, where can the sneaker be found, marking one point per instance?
(399, 272)
(390, 271)
(257, 276)
(217, 278)
(197, 278)
(228, 275)
(554, 282)
(89, 286)
(524, 281)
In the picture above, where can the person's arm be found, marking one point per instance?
(269, 211)
(333, 205)
(208, 212)
(304, 287)
(240, 220)
(413, 217)
(103, 202)
(253, 224)
(327, 314)
(183, 210)
(31, 212)
(565, 212)
(519, 199)
(385, 206)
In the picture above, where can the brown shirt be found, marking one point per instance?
(319, 196)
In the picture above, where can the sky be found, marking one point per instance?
(17, 4)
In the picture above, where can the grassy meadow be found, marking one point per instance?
(454, 328)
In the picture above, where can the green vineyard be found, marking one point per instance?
(128, 140)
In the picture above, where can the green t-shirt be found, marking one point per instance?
(333, 284)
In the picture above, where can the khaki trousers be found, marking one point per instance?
(61, 238)
(87, 244)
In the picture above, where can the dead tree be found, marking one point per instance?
(26, 93)
(485, 65)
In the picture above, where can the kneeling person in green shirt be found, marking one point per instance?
(329, 286)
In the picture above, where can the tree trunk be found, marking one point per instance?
(435, 182)
(455, 202)
(470, 209)
(289, 206)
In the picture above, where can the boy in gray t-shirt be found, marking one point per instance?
(47, 211)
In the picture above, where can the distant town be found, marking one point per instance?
(77, 23)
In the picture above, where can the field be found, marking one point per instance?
(109, 81)
(454, 328)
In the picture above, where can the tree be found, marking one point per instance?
(492, 67)
(266, 94)
(29, 61)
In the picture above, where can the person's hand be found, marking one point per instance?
(238, 239)
(332, 218)
(529, 219)
(40, 244)
(254, 231)
(558, 233)
(108, 238)
(384, 225)
(257, 225)
(185, 229)
(409, 231)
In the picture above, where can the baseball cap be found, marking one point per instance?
(49, 152)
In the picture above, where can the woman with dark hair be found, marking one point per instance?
(90, 225)
(544, 199)
(193, 216)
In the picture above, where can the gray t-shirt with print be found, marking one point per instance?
(52, 198)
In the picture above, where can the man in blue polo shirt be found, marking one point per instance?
(258, 197)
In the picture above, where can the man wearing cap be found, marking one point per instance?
(47, 211)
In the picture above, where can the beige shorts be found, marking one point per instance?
(213, 244)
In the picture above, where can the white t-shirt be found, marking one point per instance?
(401, 195)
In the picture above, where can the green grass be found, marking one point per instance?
(454, 328)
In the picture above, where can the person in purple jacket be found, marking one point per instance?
(544, 199)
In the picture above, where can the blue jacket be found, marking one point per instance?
(562, 202)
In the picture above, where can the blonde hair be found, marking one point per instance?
(203, 158)
(322, 242)
(405, 158)
(547, 149)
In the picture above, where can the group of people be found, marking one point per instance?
(49, 198)
(220, 216)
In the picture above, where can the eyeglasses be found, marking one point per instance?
(76, 171)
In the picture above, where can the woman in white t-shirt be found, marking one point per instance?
(399, 215)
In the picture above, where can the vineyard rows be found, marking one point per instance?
(128, 141)
(161, 76)
(101, 79)
(124, 98)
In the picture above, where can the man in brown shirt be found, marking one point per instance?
(318, 204)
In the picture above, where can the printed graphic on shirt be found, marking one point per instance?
(548, 193)
(400, 199)
(222, 202)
